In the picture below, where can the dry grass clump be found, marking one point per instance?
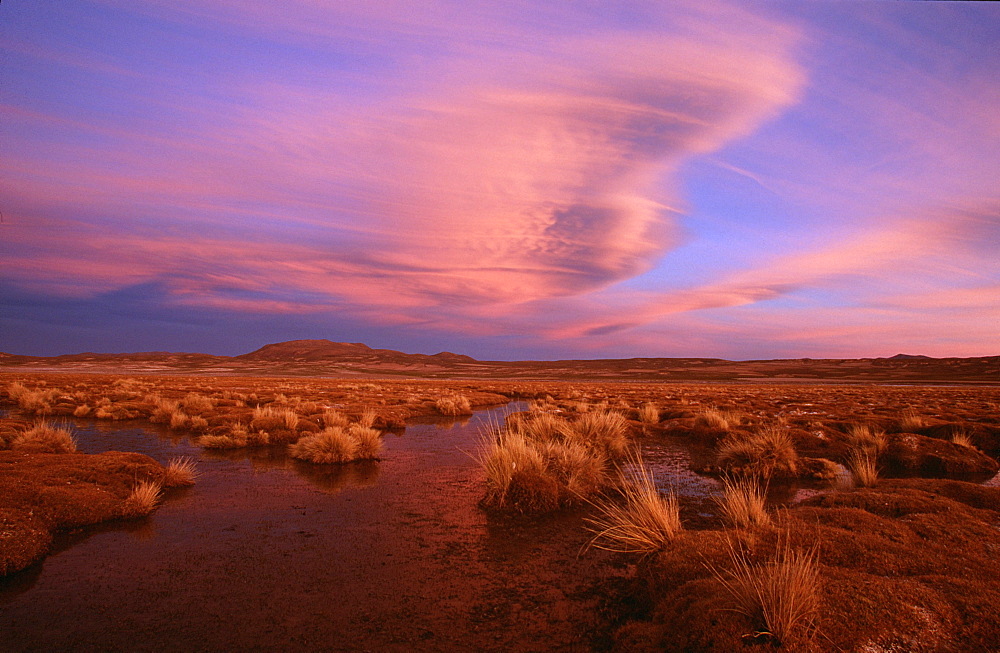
(33, 402)
(781, 595)
(862, 464)
(911, 421)
(649, 413)
(517, 477)
(453, 406)
(540, 427)
(867, 437)
(197, 403)
(579, 470)
(179, 472)
(540, 461)
(367, 417)
(271, 418)
(143, 500)
(45, 437)
(743, 502)
(334, 445)
(714, 418)
(239, 436)
(767, 452)
(963, 438)
(81, 411)
(603, 430)
(333, 417)
(643, 521)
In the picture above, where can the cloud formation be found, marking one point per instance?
(518, 170)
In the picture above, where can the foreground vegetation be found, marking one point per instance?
(892, 552)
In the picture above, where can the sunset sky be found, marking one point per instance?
(507, 180)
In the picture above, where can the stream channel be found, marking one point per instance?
(269, 553)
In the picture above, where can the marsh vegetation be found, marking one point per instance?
(822, 496)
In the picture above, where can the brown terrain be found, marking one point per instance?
(336, 359)
(875, 527)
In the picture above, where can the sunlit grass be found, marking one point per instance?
(781, 595)
(642, 520)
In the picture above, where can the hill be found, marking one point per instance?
(325, 358)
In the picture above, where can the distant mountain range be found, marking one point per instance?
(355, 360)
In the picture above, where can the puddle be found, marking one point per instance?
(267, 553)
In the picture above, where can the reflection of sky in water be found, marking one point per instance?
(442, 441)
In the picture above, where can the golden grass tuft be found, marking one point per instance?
(517, 478)
(743, 503)
(963, 438)
(603, 430)
(767, 452)
(580, 470)
(180, 472)
(453, 406)
(538, 426)
(781, 595)
(867, 437)
(197, 403)
(714, 418)
(643, 521)
(369, 442)
(270, 417)
(367, 417)
(649, 414)
(333, 417)
(143, 500)
(45, 437)
(336, 445)
(862, 464)
(81, 411)
(911, 421)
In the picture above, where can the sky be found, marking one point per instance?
(508, 180)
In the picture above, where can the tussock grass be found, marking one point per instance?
(743, 502)
(643, 521)
(194, 402)
(453, 406)
(603, 430)
(367, 417)
(649, 414)
(180, 472)
(862, 464)
(867, 437)
(270, 417)
(963, 438)
(540, 461)
(911, 420)
(767, 452)
(714, 418)
(369, 442)
(538, 426)
(516, 474)
(45, 437)
(581, 471)
(179, 420)
(143, 500)
(336, 445)
(781, 595)
(332, 417)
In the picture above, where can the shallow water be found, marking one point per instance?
(267, 553)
